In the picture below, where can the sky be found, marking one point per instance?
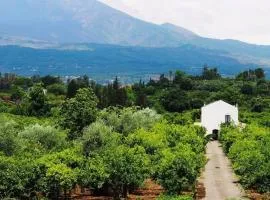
(245, 20)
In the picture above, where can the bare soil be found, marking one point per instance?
(149, 191)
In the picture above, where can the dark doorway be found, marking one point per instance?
(215, 134)
(227, 119)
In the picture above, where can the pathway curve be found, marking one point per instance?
(218, 177)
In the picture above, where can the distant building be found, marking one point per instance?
(216, 113)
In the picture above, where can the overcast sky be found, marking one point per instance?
(246, 20)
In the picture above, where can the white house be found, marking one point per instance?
(216, 113)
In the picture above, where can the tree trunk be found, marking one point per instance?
(125, 191)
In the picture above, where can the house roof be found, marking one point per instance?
(218, 102)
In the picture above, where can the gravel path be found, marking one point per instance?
(218, 177)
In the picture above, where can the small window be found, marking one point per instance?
(227, 118)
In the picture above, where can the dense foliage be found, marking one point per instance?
(248, 148)
(115, 155)
(111, 138)
(78, 112)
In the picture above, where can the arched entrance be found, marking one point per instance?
(215, 134)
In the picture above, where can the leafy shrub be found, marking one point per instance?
(57, 89)
(9, 143)
(249, 152)
(165, 197)
(48, 137)
(128, 120)
(94, 173)
(179, 118)
(127, 167)
(179, 168)
(4, 107)
(59, 177)
(15, 176)
(56, 172)
(98, 136)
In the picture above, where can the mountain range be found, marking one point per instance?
(87, 25)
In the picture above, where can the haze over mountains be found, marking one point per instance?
(75, 25)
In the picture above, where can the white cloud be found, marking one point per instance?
(246, 20)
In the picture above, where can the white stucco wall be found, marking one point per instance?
(213, 115)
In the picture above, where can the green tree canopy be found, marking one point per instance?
(38, 103)
(79, 112)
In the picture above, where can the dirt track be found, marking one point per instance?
(218, 177)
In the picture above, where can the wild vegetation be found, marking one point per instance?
(111, 138)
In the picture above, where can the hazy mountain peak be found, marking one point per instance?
(180, 30)
(70, 21)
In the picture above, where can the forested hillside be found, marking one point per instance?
(129, 63)
(110, 139)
